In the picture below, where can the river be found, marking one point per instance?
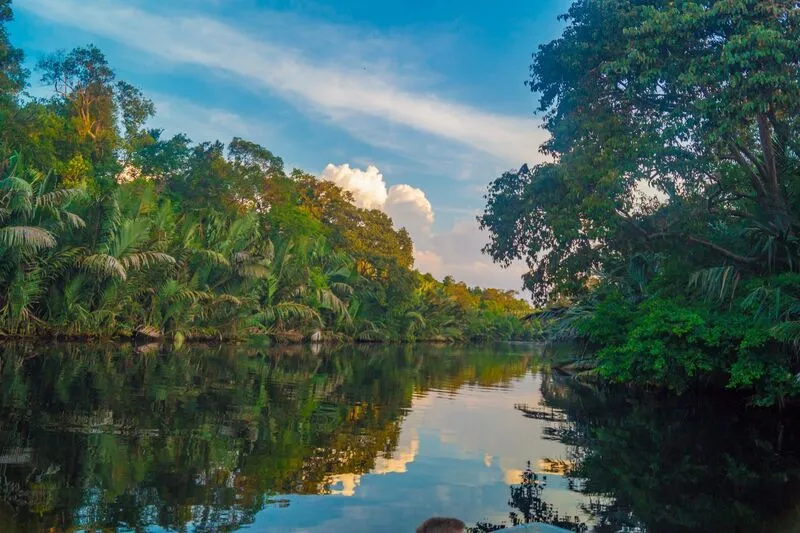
(372, 439)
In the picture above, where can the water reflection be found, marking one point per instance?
(677, 464)
(370, 439)
(98, 437)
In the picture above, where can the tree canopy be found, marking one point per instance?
(674, 168)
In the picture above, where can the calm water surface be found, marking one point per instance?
(369, 440)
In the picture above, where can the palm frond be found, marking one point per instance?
(788, 332)
(254, 271)
(105, 265)
(341, 288)
(17, 185)
(140, 260)
(72, 220)
(55, 199)
(128, 237)
(328, 300)
(716, 282)
(286, 311)
(63, 260)
(26, 237)
(212, 257)
(229, 298)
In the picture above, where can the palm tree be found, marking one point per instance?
(327, 283)
(277, 304)
(32, 214)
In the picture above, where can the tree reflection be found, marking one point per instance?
(528, 506)
(658, 463)
(527, 498)
(663, 463)
(99, 437)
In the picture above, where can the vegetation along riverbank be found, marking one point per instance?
(109, 228)
(665, 226)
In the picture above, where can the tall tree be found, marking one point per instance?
(13, 77)
(696, 101)
(84, 79)
(12, 74)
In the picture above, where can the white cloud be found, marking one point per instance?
(407, 205)
(402, 196)
(337, 92)
(367, 186)
(409, 208)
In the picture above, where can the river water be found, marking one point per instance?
(373, 439)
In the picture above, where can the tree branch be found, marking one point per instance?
(755, 180)
(768, 147)
(723, 251)
(754, 160)
(708, 244)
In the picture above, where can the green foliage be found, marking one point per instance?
(12, 72)
(109, 229)
(667, 220)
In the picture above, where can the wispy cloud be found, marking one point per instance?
(368, 86)
(340, 93)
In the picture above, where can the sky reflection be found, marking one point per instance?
(456, 455)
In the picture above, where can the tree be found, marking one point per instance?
(134, 109)
(33, 214)
(84, 79)
(163, 160)
(12, 73)
(668, 216)
(698, 100)
(107, 228)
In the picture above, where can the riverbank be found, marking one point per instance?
(279, 338)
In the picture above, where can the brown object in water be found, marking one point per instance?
(442, 525)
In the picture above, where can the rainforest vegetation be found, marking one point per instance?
(110, 228)
(662, 226)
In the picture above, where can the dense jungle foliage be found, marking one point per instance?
(108, 228)
(664, 222)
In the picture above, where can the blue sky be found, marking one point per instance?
(423, 101)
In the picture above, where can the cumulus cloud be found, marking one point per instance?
(407, 198)
(408, 206)
(367, 186)
(410, 209)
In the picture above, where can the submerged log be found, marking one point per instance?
(148, 332)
